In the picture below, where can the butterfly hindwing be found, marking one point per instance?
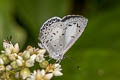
(51, 38)
(45, 30)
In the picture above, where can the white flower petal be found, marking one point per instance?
(17, 75)
(33, 57)
(42, 72)
(8, 67)
(42, 51)
(29, 63)
(1, 61)
(7, 51)
(24, 73)
(48, 76)
(12, 56)
(40, 58)
(57, 73)
(19, 62)
(16, 48)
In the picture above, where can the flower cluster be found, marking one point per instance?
(20, 65)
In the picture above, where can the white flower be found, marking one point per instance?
(24, 73)
(16, 48)
(30, 49)
(40, 57)
(57, 70)
(57, 73)
(19, 57)
(29, 63)
(7, 51)
(33, 57)
(17, 75)
(7, 45)
(2, 68)
(1, 62)
(19, 62)
(41, 51)
(8, 67)
(48, 76)
(26, 55)
(12, 56)
(9, 48)
(40, 75)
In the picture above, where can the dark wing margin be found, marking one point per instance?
(70, 16)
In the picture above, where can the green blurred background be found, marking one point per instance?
(97, 52)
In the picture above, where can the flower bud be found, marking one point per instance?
(19, 62)
(13, 56)
(16, 48)
(29, 63)
(14, 65)
(5, 59)
(17, 75)
(24, 73)
(1, 62)
(2, 68)
(8, 67)
(26, 55)
(44, 64)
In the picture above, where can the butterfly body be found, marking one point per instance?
(58, 35)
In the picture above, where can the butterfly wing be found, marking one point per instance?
(74, 26)
(45, 29)
(51, 37)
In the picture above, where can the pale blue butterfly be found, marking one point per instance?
(58, 35)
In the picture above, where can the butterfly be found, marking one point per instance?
(57, 35)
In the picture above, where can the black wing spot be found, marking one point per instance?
(47, 41)
(54, 45)
(79, 31)
(69, 25)
(78, 26)
(60, 44)
(54, 33)
(50, 39)
(43, 28)
(74, 23)
(62, 34)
